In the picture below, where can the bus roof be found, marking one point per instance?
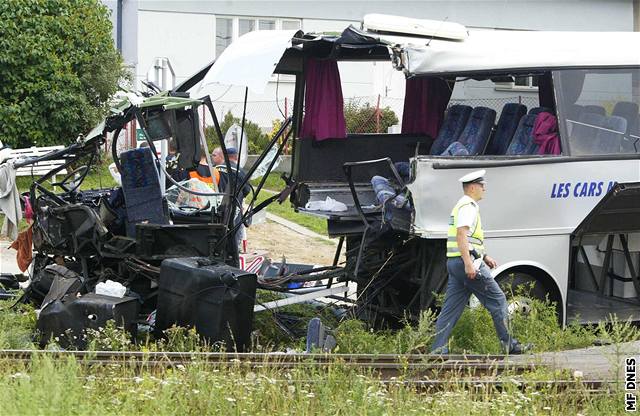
(503, 50)
(251, 60)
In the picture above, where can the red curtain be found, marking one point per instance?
(425, 101)
(324, 106)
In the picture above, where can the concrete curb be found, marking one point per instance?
(297, 228)
(292, 225)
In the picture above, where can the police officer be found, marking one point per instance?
(468, 268)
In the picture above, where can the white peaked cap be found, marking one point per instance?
(476, 176)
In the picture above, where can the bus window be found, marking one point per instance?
(598, 110)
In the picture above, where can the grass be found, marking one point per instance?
(274, 182)
(474, 332)
(48, 386)
(354, 337)
(286, 328)
(286, 211)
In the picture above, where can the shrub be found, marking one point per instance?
(183, 339)
(58, 67)
(475, 331)
(275, 127)
(109, 338)
(257, 139)
(361, 118)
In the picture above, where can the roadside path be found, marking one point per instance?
(593, 363)
(294, 226)
(8, 262)
(297, 228)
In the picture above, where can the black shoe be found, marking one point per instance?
(518, 348)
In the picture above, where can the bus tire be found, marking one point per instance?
(536, 284)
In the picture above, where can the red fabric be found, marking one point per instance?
(545, 134)
(28, 211)
(425, 101)
(23, 245)
(324, 105)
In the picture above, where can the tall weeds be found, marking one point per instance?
(17, 326)
(49, 386)
(474, 333)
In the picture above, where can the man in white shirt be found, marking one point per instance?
(468, 268)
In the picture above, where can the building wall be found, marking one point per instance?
(598, 15)
(124, 20)
(187, 39)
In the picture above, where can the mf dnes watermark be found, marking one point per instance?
(631, 384)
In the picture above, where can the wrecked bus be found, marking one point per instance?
(560, 215)
(139, 254)
(563, 174)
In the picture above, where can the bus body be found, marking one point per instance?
(562, 221)
(529, 213)
(536, 204)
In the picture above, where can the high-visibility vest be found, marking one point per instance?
(206, 179)
(475, 239)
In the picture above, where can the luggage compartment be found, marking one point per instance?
(605, 276)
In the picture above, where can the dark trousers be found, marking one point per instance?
(459, 289)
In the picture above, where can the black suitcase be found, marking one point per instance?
(213, 297)
(71, 319)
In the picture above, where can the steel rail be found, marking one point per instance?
(428, 373)
(386, 365)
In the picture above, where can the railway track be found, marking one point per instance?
(477, 373)
(387, 365)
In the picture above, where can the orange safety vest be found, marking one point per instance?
(205, 179)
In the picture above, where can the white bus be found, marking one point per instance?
(563, 201)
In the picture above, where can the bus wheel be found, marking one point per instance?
(520, 284)
(521, 288)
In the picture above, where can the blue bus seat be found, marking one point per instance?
(506, 128)
(454, 122)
